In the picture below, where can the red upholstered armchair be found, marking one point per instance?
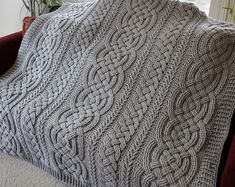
(9, 46)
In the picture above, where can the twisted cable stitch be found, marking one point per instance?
(96, 85)
(29, 129)
(57, 129)
(110, 118)
(148, 122)
(128, 122)
(59, 83)
(172, 156)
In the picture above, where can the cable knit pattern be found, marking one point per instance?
(121, 93)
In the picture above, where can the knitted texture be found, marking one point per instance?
(121, 93)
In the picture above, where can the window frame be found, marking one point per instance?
(218, 12)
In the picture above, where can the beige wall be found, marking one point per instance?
(12, 13)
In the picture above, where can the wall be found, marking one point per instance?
(12, 13)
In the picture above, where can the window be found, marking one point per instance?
(218, 11)
(216, 8)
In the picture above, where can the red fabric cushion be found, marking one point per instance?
(9, 46)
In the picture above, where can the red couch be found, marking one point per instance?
(9, 46)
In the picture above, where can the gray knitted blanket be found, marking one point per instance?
(121, 93)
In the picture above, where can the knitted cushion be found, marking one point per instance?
(121, 93)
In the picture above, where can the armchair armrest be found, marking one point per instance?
(9, 46)
(229, 171)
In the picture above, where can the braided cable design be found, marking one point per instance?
(171, 158)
